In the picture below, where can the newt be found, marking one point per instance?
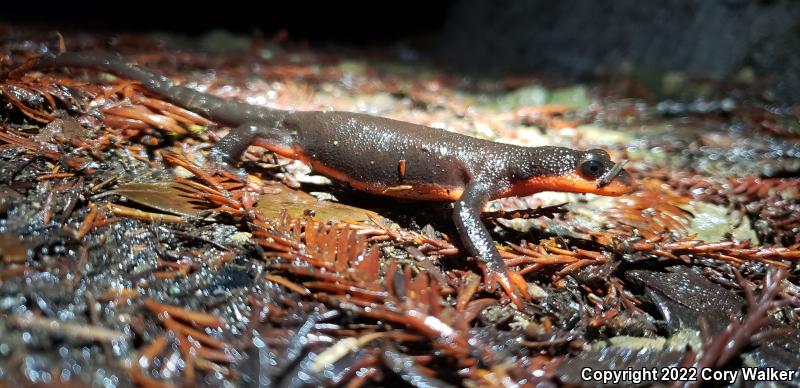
(387, 157)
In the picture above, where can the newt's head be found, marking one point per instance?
(595, 173)
(566, 170)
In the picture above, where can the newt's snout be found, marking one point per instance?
(615, 181)
(623, 183)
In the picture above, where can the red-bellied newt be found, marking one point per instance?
(388, 157)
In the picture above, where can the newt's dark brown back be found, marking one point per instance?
(391, 157)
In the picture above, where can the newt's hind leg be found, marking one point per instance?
(227, 152)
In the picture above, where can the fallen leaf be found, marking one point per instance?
(299, 204)
(171, 197)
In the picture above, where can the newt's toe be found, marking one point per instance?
(512, 283)
(219, 164)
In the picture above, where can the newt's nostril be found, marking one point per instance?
(609, 176)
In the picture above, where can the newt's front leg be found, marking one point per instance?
(476, 239)
(228, 151)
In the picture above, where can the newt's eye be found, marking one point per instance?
(591, 169)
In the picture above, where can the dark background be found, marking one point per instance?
(344, 22)
(568, 39)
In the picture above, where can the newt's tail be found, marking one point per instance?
(215, 108)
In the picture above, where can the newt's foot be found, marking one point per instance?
(512, 283)
(219, 162)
